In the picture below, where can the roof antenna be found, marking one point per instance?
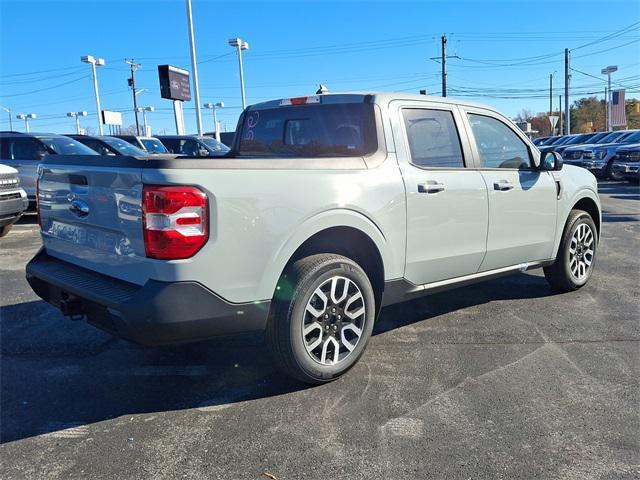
(323, 89)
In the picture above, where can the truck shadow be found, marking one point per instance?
(59, 376)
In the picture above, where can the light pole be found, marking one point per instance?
(215, 107)
(194, 68)
(95, 62)
(26, 117)
(240, 45)
(77, 116)
(144, 111)
(608, 71)
(8, 110)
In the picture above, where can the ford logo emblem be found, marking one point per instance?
(79, 207)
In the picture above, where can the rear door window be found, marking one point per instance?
(310, 131)
(433, 138)
(26, 149)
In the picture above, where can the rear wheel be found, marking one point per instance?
(322, 319)
(576, 255)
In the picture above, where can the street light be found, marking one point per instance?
(26, 117)
(240, 45)
(77, 116)
(215, 107)
(8, 110)
(608, 71)
(144, 111)
(95, 62)
(194, 68)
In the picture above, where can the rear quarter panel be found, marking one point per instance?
(260, 217)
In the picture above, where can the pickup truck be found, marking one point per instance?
(326, 209)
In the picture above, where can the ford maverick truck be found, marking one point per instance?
(326, 209)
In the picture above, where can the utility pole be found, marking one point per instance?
(132, 83)
(567, 115)
(194, 69)
(551, 101)
(560, 113)
(443, 40)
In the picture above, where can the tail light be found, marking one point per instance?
(175, 221)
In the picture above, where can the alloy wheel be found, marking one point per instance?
(334, 320)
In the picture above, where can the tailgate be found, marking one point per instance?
(91, 215)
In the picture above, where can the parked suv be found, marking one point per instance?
(24, 151)
(626, 163)
(150, 145)
(13, 199)
(328, 208)
(599, 159)
(193, 146)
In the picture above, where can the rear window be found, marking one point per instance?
(66, 146)
(310, 131)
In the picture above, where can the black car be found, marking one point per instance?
(193, 145)
(106, 145)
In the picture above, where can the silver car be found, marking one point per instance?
(24, 151)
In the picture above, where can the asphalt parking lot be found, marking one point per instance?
(496, 380)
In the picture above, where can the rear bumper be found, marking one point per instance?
(157, 313)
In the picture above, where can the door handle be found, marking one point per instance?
(430, 187)
(502, 185)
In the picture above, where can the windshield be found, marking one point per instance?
(123, 147)
(633, 137)
(580, 139)
(332, 130)
(549, 141)
(66, 146)
(216, 147)
(153, 145)
(611, 137)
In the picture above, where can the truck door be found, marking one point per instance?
(522, 199)
(447, 206)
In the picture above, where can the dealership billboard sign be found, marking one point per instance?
(174, 83)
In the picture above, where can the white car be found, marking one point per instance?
(13, 199)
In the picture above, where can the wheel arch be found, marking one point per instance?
(589, 205)
(342, 232)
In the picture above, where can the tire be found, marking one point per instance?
(4, 230)
(576, 255)
(299, 308)
(610, 173)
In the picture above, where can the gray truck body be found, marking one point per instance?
(424, 228)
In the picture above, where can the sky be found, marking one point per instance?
(501, 53)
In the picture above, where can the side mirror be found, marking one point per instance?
(550, 161)
(203, 152)
(40, 154)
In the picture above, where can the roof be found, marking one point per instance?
(378, 97)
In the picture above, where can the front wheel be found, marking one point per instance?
(322, 318)
(611, 173)
(576, 255)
